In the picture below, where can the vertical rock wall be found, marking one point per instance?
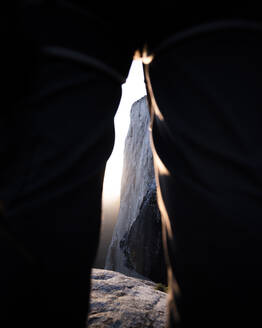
(136, 246)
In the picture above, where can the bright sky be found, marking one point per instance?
(132, 90)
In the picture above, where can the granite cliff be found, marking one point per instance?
(136, 246)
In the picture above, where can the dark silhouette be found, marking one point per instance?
(63, 64)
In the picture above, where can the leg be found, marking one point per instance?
(61, 139)
(55, 213)
(205, 99)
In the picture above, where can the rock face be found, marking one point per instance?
(121, 301)
(136, 246)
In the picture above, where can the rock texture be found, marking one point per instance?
(136, 247)
(121, 301)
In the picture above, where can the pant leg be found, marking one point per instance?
(205, 94)
(54, 146)
(55, 211)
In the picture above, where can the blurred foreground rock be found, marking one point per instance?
(121, 301)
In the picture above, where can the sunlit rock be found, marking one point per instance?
(121, 301)
(136, 247)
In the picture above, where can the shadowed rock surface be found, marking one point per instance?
(121, 301)
(136, 246)
(144, 254)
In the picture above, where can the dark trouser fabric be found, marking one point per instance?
(207, 137)
(54, 147)
(50, 228)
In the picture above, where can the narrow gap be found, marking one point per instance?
(132, 90)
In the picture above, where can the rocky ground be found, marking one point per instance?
(121, 301)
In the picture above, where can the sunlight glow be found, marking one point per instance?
(160, 165)
(132, 90)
